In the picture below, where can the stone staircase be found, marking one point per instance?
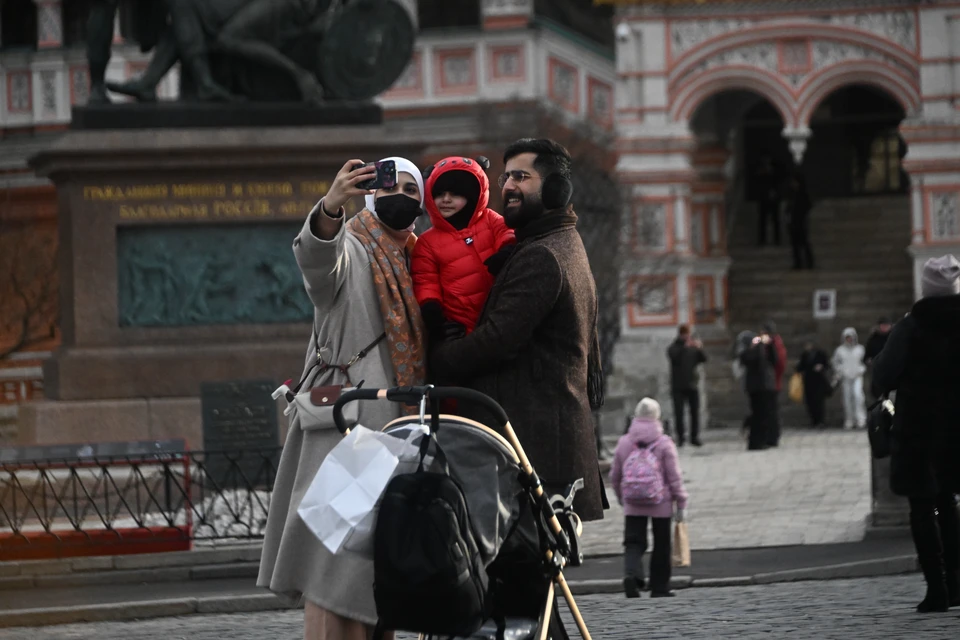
(859, 247)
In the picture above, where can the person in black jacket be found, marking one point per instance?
(685, 354)
(798, 221)
(813, 366)
(760, 362)
(920, 362)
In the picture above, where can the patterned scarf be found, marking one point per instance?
(402, 323)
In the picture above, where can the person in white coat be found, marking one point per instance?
(848, 363)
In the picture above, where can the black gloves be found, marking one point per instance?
(438, 327)
(495, 262)
(433, 319)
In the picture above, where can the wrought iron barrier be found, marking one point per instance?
(95, 505)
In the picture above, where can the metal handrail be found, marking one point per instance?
(193, 495)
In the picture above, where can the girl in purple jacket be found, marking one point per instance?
(647, 479)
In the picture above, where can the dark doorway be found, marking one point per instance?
(855, 148)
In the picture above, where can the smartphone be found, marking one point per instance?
(386, 175)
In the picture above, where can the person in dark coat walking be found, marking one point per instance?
(535, 348)
(813, 366)
(919, 362)
(760, 361)
(798, 221)
(685, 354)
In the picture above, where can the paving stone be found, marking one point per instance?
(813, 489)
(862, 609)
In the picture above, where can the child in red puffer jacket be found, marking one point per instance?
(451, 267)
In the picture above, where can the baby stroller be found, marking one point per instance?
(523, 538)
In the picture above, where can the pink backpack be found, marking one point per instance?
(642, 480)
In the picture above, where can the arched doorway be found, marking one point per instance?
(855, 148)
(748, 128)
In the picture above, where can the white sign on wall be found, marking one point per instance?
(825, 304)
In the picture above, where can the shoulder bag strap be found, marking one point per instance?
(324, 366)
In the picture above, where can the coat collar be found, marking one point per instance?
(550, 222)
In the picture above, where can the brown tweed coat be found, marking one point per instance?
(530, 352)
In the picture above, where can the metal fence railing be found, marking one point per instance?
(97, 505)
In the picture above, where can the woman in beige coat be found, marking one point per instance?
(356, 273)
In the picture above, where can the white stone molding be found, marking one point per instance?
(797, 138)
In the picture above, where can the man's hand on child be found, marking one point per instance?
(496, 262)
(453, 330)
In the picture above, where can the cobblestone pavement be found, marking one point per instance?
(813, 489)
(864, 608)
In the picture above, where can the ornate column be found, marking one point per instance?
(953, 68)
(916, 211)
(629, 98)
(681, 218)
(506, 14)
(49, 24)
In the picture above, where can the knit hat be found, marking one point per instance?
(461, 183)
(647, 408)
(941, 277)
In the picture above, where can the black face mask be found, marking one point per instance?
(397, 211)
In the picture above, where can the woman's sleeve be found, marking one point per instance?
(616, 471)
(323, 263)
(674, 476)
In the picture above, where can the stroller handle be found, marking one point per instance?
(413, 395)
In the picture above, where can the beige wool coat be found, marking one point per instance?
(295, 564)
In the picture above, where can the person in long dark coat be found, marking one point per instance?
(920, 363)
(760, 361)
(813, 366)
(798, 221)
(536, 338)
(768, 199)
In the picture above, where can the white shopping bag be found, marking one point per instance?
(340, 504)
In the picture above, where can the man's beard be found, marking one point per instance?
(529, 209)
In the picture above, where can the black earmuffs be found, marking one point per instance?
(556, 191)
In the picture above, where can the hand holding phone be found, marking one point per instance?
(346, 184)
(385, 178)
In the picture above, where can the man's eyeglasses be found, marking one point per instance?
(516, 175)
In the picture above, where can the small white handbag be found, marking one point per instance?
(314, 406)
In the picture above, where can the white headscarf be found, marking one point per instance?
(403, 166)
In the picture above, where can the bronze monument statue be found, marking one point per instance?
(260, 50)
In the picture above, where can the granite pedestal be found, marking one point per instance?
(177, 269)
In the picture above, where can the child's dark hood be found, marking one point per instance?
(464, 177)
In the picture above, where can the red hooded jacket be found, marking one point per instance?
(447, 263)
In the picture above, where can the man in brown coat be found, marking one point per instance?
(535, 346)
